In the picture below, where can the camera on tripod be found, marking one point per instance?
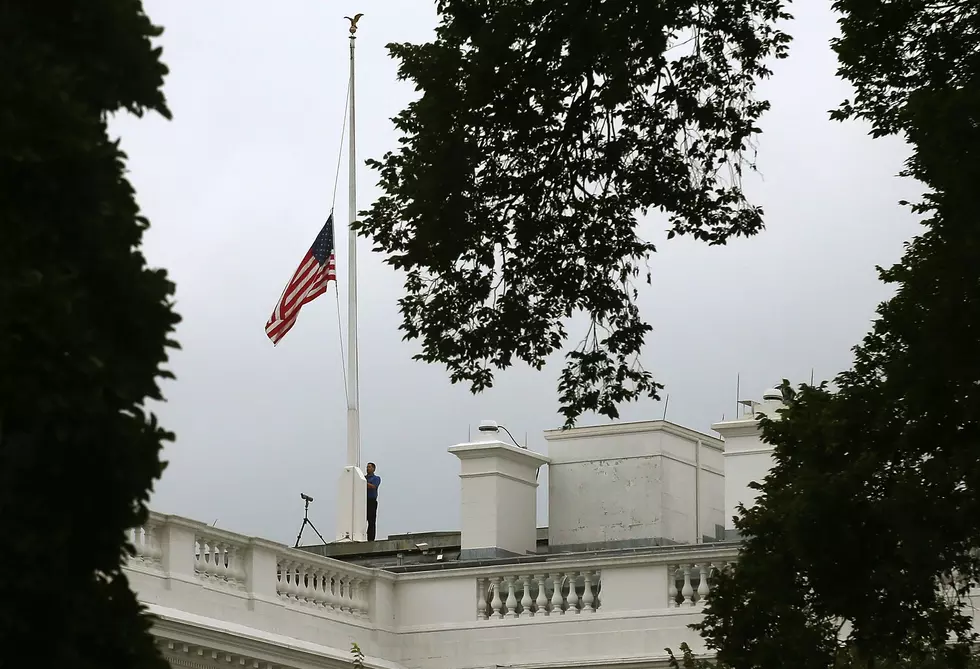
(306, 521)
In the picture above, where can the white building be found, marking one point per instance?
(638, 515)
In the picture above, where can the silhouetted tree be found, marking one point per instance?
(871, 514)
(543, 129)
(84, 327)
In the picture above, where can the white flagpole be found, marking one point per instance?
(351, 489)
(353, 399)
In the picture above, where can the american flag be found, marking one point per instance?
(318, 268)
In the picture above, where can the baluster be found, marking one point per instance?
(324, 584)
(481, 599)
(306, 584)
(228, 562)
(231, 562)
(511, 599)
(526, 601)
(556, 598)
(217, 560)
(541, 603)
(341, 594)
(572, 592)
(206, 568)
(597, 589)
(687, 591)
(283, 578)
(338, 595)
(355, 602)
(140, 541)
(147, 550)
(321, 587)
(138, 537)
(351, 601)
(316, 586)
(345, 594)
(672, 586)
(495, 602)
(213, 554)
(704, 586)
(292, 588)
(310, 579)
(587, 597)
(198, 556)
(333, 590)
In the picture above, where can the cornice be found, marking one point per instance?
(489, 449)
(205, 642)
(591, 431)
(744, 427)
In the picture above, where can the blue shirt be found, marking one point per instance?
(374, 480)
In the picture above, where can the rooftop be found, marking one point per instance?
(420, 551)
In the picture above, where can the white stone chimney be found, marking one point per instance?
(747, 458)
(498, 482)
(633, 484)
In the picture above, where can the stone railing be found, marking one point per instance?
(526, 594)
(574, 609)
(187, 550)
(670, 577)
(322, 584)
(555, 587)
(691, 582)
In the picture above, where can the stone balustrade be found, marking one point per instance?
(689, 584)
(526, 594)
(679, 579)
(207, 586)
(562, 586)
(219, 558)
(319, 583)
(182, 548)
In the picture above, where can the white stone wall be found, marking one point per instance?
(632, 482)
(747, 459)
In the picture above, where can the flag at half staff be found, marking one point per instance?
(318, 268)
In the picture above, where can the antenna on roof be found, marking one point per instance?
(469, 433)
(811, 376)
(738, 392)
(666, 402)
(525, 440)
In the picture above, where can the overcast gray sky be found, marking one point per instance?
(239, 183)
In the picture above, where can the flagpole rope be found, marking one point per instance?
(333, 203)
(340, 328)
(340, 153)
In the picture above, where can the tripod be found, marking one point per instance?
(307, 521)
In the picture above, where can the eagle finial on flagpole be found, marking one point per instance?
(353, 22)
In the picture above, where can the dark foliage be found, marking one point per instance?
(871, 515)
(84, 327)
(543, 128)
(686, 659)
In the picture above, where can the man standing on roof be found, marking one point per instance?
(373, 483)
